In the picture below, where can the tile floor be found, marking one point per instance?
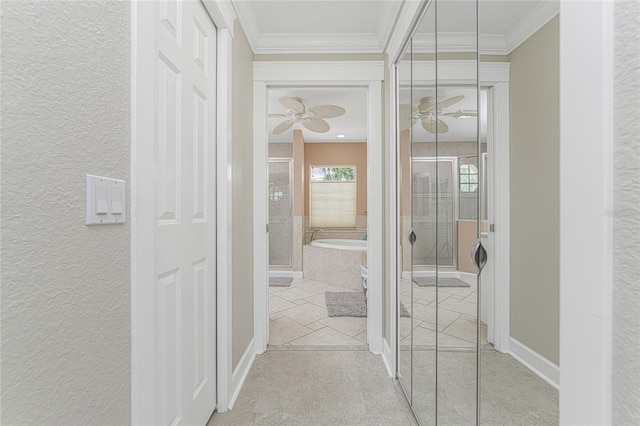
(456, 316)
(298, 318)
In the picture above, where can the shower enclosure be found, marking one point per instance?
(280, 213)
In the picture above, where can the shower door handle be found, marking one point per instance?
(479, 256)
(412, 237)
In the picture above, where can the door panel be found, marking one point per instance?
(184, 190)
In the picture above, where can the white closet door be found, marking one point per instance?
(181, 323)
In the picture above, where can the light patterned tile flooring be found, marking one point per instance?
(456, 315)
(298, 317)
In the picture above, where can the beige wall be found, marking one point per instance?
(534, 168)
(626, 217)
(328, 154)
(66, 296)
(242, 195)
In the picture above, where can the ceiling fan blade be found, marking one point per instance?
(407, 116)
(442, 127)
(461, 114)
(327, 111)
(290, 103)
(433, 126)
(282, 127)
(277, 115)
(317, 125)
(448, 102)
(429, 124)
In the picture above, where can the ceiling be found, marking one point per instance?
(365, 26)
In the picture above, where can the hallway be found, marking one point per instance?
(318, 388)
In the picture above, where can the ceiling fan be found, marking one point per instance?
(428, 109)
(311, 118)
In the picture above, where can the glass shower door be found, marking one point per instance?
(280, 213)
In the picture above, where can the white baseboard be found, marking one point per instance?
(292, 274)
(535, 362)
(240, 373)
(387, 358)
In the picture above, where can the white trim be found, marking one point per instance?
(224, 218)
(392, 220)
(260, 218)
(542, 367)
(375, 206)
(388, 358)
(409, 16)
(389, 12)
(241, 371)
(248, 21)
(586, 235)
(222, 13)
(367, 74)
(499, 311)
(292, 43)
(539, 16)
(458, 72)
(490, 44)
(311, 72)
(293, 274)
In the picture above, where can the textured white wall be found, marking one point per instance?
(65, 286)
(626, 216)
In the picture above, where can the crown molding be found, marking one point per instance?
(538, 17)
(490, 44)
(248, 21)
(318, 43)
(317, 72)
(386, 21)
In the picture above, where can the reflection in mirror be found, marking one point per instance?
(405, 294)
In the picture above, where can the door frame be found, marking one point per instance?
(365, 74)
(142, 34)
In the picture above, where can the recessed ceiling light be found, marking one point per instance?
(341, 136)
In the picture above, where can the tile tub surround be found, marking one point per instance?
(339, 268)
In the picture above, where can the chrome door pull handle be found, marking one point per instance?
(412, 237)
(479, 256)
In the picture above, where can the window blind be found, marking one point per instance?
(332, 204)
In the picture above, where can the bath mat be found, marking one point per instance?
(350, 304)
(280, 281)
(442, 282)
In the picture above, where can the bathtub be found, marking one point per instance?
(335, 262)
(341, 244)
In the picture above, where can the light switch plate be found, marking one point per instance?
(105, 201)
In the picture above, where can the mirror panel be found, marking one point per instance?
(404, 288)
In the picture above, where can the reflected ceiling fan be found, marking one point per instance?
(311, 118)
(427, 111)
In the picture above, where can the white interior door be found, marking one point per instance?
(175, 223)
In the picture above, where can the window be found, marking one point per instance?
(468, 178)
(332, 196)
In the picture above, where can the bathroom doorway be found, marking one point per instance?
(317, 168)
(304, 96)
